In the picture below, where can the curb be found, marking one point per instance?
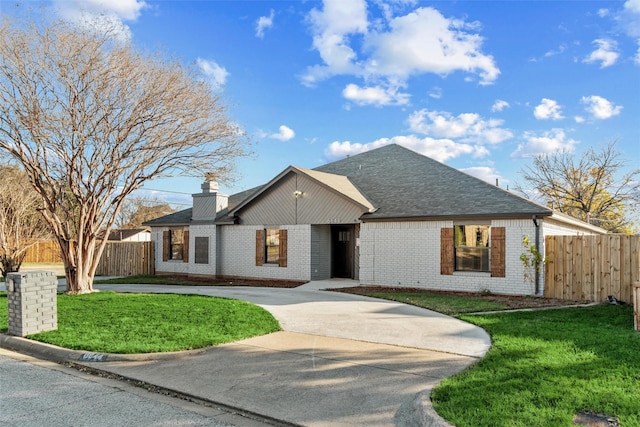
(61, 355)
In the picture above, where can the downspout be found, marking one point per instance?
(537, 273)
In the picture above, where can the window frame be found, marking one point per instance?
(272, 246)
(176, 239)
(478, 254)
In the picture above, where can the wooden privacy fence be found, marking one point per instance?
(127, 259)
(44, 253)
(590, 268)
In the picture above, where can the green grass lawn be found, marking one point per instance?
(545, 367)
(442, 303)
(109, 322)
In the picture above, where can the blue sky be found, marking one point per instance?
(479, 85)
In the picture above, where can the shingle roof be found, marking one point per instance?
(401, 183)
(183, 217)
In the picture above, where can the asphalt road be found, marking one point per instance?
(36, 393)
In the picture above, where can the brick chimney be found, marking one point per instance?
(209, 202)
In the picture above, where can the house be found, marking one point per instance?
(130, 235)
(389, 217)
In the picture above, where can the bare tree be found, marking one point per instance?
(21, 225)
(91, 119)
(136, 210)
(593, 188)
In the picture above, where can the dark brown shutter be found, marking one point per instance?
(185, 246)
(282, 256)
(498, 251)
(446, 251)
(165, 246)
(259, 247)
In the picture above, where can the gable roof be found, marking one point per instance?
(403, 184)
(395, 183)
(336, 183)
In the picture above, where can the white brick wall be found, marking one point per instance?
(408, 254)
(171, 266)
(238, 258)
(202, 231)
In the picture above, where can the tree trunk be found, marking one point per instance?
(79, 277)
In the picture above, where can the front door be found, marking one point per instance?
(342, 245)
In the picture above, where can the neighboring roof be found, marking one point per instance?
(403, 184)
(336, 183)
(125, 233)
(566, 219)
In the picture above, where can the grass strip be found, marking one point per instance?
(547, 366)
(126, 323)
(442, 303)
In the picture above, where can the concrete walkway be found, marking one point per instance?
(342, 359)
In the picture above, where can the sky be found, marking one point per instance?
(483, 86)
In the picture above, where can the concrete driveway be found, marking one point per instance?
(309, 310)
(341, 359)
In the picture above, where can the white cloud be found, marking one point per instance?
(499, 105)
(423, 41)
(607, 53)
(603, 12)
(632, 6)
(375, 95)
(600, 108)
(331, 28)
(468, 127)
(579, 119)
(101, 15)
(285, 134)
(263, 23)
(548, 109)
(557, 51)
(436, 92)
(216, 74)
(438, 149)
(551, 141)
(484, 173)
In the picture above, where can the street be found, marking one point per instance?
(36, 393)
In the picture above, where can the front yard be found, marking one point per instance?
(545, 366)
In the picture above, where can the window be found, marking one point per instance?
(471, 246)
(202, 250)
(272, 245)
(176, 244)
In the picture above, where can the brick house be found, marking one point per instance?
(388, 216)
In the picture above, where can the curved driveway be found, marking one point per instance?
(342, 360)
(309, 310)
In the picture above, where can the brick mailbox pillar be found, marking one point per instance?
(32, 302)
